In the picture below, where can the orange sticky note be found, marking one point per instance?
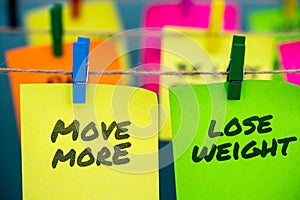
(102, 57)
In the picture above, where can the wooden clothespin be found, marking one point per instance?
(80, 69)
(236, 68)
(56, 29)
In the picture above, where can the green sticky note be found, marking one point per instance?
(274, 19)
(236, 149)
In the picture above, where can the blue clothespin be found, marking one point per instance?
(80, 69)
(236, 68)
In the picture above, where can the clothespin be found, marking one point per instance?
(186, 5)
(236, 68)
(56, 29)
(75, 5)
(80, 69)
(12, 8)
(216, 16)
(290, 9)
(215, 25)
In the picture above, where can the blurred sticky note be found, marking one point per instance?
(259, 51)
(103, 56)
(290, 60)
(245, 149)
(106, 148)
(196, 53)
(196, 15)
(273, 19)
(93, 16)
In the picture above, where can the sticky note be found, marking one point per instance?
(93, 16)
(196, 15)
(244, 149)
(195, 52)
(290, 60)
(106, 148)
(273, 19)
(41, 57)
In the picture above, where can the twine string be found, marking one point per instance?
(142, 73)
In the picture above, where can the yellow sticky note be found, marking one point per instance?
(198, 51)
(104, 149)
(93, 16)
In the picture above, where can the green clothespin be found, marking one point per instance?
(56, 29)
(236, 68)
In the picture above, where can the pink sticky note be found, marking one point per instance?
(289, 53)
(185, 13)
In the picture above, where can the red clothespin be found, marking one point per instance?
(75, 6)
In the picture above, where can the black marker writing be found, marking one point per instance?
(117, 156)
(234, 150)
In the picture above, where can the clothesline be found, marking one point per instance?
(141, 73)
(153, 32)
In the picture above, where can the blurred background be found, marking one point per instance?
(26, 23)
